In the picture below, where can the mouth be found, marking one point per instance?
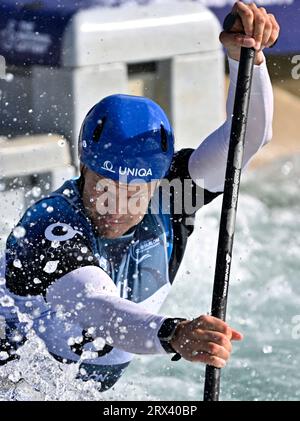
(113, 221)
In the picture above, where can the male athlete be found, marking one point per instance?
(90, 282)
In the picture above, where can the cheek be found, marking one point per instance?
(138, 207)
(92, 199)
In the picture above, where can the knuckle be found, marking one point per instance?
(204, 318)
(248, 13)
(213, 348)
(215, 362)
(263, 10)
(260, 19)
(227, 331)
(268, 24)
(223, 342)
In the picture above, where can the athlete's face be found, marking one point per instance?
(114, 207)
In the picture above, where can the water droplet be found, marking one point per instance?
(91, 330)
(36, 191)
(42, 329)
(55, 244)
(50, 209)
(287, 168)
(149, 344)
(267, 349)
(89, 355)
(19, 232)
(51, 266)
(99, 344)
(123, 329)
(17, 263)
(15, 376)
(109, 340)
(79, 306)
(61, 143)
(67, 192)
(9, 77)
(6, 301)
(3, 356)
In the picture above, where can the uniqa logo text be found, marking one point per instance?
(142, 172)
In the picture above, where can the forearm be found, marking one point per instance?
(207, 164)
(88, 296)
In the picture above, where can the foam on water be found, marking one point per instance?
(264, 299)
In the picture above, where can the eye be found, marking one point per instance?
(164, 139)
(98, 130)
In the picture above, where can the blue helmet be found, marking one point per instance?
(126, 137)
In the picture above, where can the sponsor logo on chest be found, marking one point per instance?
(140, 250)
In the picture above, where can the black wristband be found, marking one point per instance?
(166, 333)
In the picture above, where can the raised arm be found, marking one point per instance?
(255, 28)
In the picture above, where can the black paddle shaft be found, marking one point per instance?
(229, 207)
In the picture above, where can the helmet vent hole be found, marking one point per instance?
(98, 130)
(164, 139)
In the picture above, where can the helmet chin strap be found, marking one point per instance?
(81, 181)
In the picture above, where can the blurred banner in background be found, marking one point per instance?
(31, 31)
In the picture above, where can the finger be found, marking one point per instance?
(229, 39)
(215, 350)
(218, 338)
(267, 29)
(275, 30)
(206, 358)
(245, 41)
(212, 323)
(236, 335)
(259, 26)
(246, 15)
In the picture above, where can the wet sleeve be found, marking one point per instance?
(88, 297)
(207, 164)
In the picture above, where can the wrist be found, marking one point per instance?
(167, 332)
